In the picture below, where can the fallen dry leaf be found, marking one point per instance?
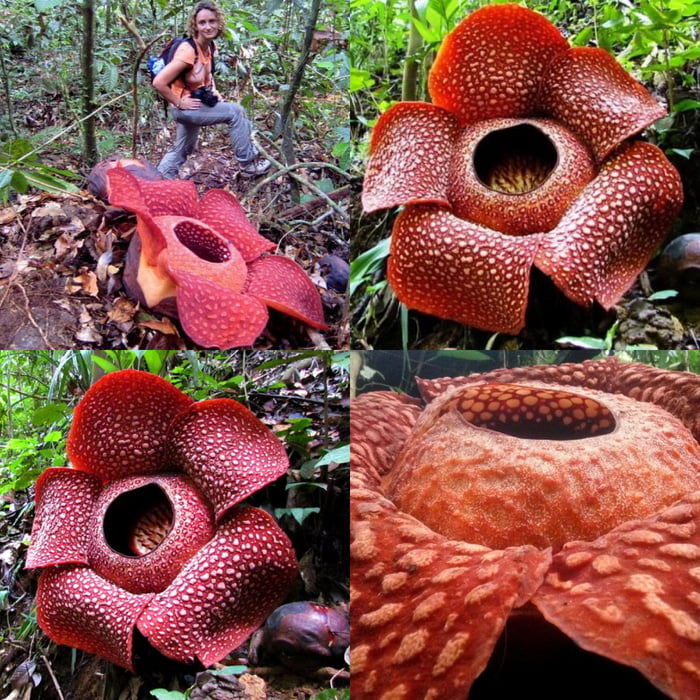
(86, 282)
(165, 326)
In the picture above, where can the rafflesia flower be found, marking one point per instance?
(148, 529)
(523, 158)
(572, 491)
(204, 262)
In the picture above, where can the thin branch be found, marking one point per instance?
(289, 170)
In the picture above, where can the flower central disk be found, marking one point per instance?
(516, 160)
(517, 176)
(505, 464)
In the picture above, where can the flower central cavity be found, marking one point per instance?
(515, 160)
(532, 413)
(137, 521)
(202, 242)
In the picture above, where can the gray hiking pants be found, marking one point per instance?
(188, 123)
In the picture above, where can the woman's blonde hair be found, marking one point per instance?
(206, 5)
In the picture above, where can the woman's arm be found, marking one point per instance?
(163, 80)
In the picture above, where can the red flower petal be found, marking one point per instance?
(77, 607)
(632, 596)
(492, 64)
(157, 198)
(119, 426)
(65, 499)
(550, 155)
(426, 612)
(226, 450)
(384, 420)
(221, 210)
(189, 519)
(613, 227)
(225, 592)
(213, 315)
(283, 285)
(588, 90)
(454, 269)
(410, 156)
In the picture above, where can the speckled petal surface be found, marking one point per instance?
(192, 527)
(226, 451)
(225, 592)
(158, 198)
(379, 425)
(222, 211)
(454, 269)
(214, 315)
(426, 612)
(632, 596)
(283, 285)
(77, 607)
(588, 90)
(119, 426)
(520, 213)
(612, 229)
(65, 499)
(492, 64)
(410, 153)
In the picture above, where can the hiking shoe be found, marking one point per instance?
(255, 168)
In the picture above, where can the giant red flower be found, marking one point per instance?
(570, 491)
(148, 529)
(204, 262)
(523, 158)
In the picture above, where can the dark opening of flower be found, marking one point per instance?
(514, 160)
(149, 530)
(524, 157)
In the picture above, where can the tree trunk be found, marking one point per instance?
(88, 83)
(285, 123)
(409, 85)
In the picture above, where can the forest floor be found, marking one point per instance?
(61, 256)
(32, 666)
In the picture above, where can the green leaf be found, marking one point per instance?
(685, 105)
(363, 267)
(162, 694)
(682, 152)
(104, 364)
(49, 183)
(229, 671)
(584, 342)
(48, 414)
(312, 484)
(299, 514)
(663, 294)
(340, 455)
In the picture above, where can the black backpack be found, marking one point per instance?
(157, 63)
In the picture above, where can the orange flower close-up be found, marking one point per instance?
(554, 508)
